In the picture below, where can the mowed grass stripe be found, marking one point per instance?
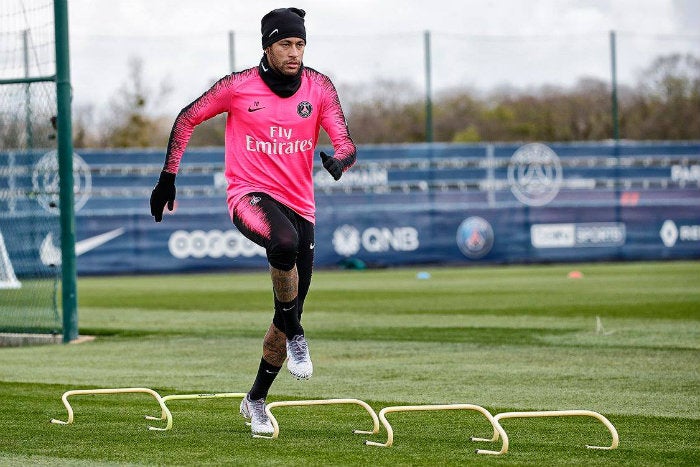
(624, 341)
(649, 290)
(113, 432)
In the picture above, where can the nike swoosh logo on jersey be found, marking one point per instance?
(254, 109)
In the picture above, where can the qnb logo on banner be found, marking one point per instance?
(213, 244)
(535, 174)
(348, 240)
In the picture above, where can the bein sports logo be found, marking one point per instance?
(475, 237)
(572, 235)
(535, 174)
(347, 240)
(214, 244)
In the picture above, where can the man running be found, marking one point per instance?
(275, 111)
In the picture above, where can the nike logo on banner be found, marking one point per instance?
(91, 243)
(254, 109)
(51, 255)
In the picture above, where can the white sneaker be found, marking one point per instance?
(254, 410)
(298, 359)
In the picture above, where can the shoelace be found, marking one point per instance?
(258, 407)
(298, 347)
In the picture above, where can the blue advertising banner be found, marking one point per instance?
(400, 205)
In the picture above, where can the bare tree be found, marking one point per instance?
(667, 102)
(664, 105)
(387, 112)
(133, 119)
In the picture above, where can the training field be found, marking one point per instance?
(506, 338)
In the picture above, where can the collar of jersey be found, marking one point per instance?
(282, 85)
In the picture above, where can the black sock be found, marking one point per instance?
(266, 375)
(290, 313)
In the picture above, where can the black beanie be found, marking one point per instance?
(282, 23)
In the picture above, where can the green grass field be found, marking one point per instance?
(505, 338)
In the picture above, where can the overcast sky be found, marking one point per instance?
(482, 44)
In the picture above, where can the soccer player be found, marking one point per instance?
(275, 111)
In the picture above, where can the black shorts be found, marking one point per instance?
(287, 237)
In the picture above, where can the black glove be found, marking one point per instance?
(163, 192)
(332, 165)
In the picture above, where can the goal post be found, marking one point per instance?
(65, 170)
(36, 201)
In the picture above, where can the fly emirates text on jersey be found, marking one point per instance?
(280, 142)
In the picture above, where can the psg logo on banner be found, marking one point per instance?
(45, 181)
(475, 237)
(535, 174)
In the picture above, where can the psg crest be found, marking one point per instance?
(304, 109)
(475, 237)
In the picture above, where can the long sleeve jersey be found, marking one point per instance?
(270, 140)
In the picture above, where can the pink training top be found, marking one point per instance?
(270, 140)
